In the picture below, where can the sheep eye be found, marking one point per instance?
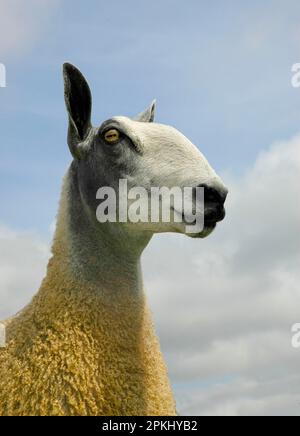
(112, 136)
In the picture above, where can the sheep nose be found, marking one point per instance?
(214, 199)
(214, 195)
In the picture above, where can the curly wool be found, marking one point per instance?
(63, 357)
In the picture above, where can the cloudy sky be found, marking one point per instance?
(221, 73)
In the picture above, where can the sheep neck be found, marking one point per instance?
(106, 255)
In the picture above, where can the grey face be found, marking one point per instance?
(103, 164)
(144, 153)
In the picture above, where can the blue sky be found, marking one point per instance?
(219, 70)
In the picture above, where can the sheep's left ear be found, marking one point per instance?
(79, 106)
(148, 115)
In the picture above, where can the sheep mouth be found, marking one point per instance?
(210, 223)
(207, 230)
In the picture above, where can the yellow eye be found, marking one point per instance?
(112, 136)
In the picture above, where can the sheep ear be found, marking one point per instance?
(148, 115)
(78, 101)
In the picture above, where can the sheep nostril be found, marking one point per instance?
(214, 195)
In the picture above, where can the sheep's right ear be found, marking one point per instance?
(78, 100)
(147, 116)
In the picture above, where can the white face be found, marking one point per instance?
(168, 157)
(164, 157)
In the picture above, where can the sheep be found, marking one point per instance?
(86, 344)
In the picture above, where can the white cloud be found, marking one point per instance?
(223, 306)
(243, 396)
(21, 23)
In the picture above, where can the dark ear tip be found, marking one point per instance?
(71, 70)
(68, 68)
(72, 73)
